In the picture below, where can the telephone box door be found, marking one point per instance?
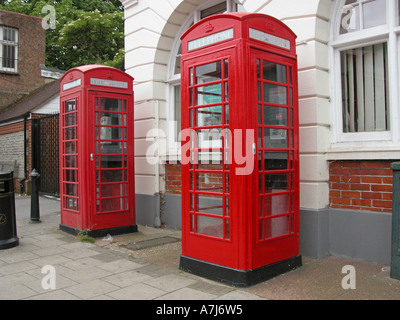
(111, 160)
(275, 120)
(206, 170)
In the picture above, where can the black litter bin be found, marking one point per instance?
(8, 225)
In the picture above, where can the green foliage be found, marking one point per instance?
(94, 37)
(84, 237)
(86, 32)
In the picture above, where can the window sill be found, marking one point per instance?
(378, 152)
(11, 73)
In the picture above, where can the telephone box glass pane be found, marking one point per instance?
(113, 190)
(276, 183)
(210, 226)
(209, 72)
(109, 205)
(209, 94)
(70, 176)
(276, 227)
(275, 116)
(276, 205)
(275, 94)
(274, 72)
(209, 116)
(70, 162)
(109, 104)
(209, 204)
(209, 181)
(69, 149)
(210, 138)
(276, 160)
(70, 120)
(71, 190)
(70, 106)
(275, 138)
(226, 114)
(112, 176)
(111, 150)
(70, 134)
(71, 203)
(227, 230)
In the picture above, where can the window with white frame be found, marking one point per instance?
(8, 49)
(364, 43)
(207, 9)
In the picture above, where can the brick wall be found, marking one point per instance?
(31, 54)
(355, 185)
(173, 178)
(361, 185)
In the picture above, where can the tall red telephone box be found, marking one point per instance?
(240, 149)
(97, 151)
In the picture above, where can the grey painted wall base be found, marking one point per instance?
(148, 210)
(360, 235)
(171, 210)
(314, 233)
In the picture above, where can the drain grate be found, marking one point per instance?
(151, 243)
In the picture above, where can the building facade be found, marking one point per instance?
(22, 52)
(349, 106)
(28, 90)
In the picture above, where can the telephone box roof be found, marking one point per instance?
(242, 16)
(90, 67)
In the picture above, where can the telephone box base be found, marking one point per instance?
(238, 278)
(100, 233)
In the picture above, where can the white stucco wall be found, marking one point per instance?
(151, 26)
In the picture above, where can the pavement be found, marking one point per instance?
(145, 266)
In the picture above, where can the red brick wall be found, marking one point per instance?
(355, 185)
(31, 55)
(214, 182)
(173, 178)
(361, 185)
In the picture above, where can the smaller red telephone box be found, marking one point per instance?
(97, 151)
(240, 149)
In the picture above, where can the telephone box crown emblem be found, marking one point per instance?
(209, 27)
(109, 75)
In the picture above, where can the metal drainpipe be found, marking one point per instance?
(157, 218)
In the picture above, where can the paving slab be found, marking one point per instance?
(137, 291)
(107, 270)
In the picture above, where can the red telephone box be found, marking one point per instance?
(240, 149)
(97, 151)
